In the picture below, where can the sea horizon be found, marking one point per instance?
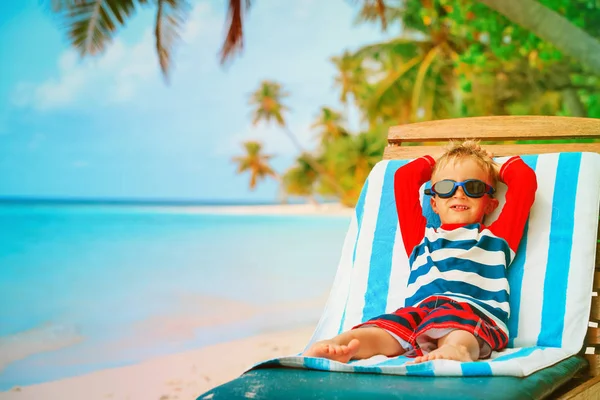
(133, 201)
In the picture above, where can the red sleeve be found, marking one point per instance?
(522, 184)
(408, 180)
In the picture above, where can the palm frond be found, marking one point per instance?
(390, 80)
(170, 17)
(91, 24)
(255, 162)
(405, 46)
(234, 42)
(379, 10)
(423, 68)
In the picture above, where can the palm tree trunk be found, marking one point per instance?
(573, 103)
(314, 163)
(283, 196)
(551, 27)
(312, 200)
(570, 98)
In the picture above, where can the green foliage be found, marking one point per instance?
(455, 58)
(267, 103)
(255, 162)
(300, 179)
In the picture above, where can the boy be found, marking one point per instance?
(457, 294)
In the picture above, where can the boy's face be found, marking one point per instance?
(460, 208)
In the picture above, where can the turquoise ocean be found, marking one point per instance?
(85, 287)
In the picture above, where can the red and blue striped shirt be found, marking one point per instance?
(467, 263)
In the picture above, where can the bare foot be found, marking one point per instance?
(333, 351)
(446, 352)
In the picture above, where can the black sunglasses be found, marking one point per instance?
(472, 188)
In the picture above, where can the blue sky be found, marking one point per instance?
(109, 127)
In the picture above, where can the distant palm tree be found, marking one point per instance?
(255, 162)
(329, 125)
(300, 179)
(268, 106)
(352, 158)
(381, 10)
(351, 76)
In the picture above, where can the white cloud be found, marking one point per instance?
(84, 82)
(56, 93)
(46, 338)
(202, 22)
(138, 65)
(116, 76)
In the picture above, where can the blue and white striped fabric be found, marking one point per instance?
(550, 278)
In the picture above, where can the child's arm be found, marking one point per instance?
(522, 184)
(407, 182)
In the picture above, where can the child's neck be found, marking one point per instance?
(449, 227)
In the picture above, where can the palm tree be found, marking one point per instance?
(445, 66)
(300, 179)
(552, 27)
(351, 76)
(329, 124)
(268, 106)
(93, 23)
(381, 10)
(404, 71)
(539, 19)
(352, 158)
(255, 162)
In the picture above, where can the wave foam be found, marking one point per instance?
(48, 337)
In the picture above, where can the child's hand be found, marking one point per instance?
(437, 154)
(495, 164)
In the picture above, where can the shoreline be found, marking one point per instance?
(183, 375)
(325, 209)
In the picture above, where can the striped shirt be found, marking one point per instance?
(467, 263)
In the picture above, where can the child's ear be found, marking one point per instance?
(491, 206)
(433, 205)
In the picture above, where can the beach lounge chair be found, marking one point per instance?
(554, 279)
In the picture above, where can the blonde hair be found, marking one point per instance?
(459, 150)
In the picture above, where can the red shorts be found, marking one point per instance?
(419, 328)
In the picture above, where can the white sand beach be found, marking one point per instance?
(177, 376)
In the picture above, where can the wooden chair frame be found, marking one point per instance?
(418, 139)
